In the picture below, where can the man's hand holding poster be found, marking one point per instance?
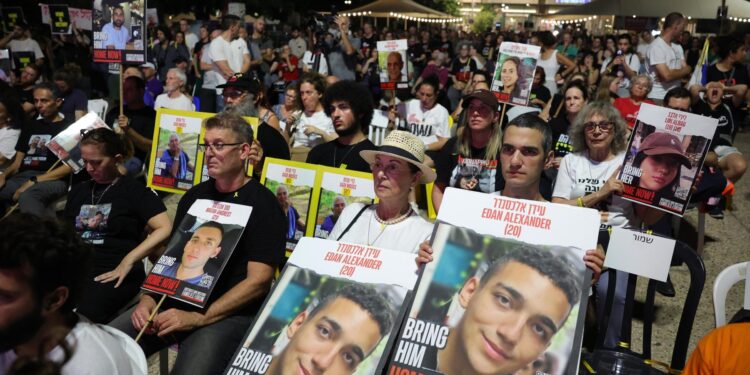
(119, 31)
(505, 291)
(514, 72)
(293, 183)
(67, 144)
(664, 156)
(198, 251)
(393, 64)
(330, 312)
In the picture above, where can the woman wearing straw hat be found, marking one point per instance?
(397, 167)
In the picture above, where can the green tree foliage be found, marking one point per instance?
(484, 19)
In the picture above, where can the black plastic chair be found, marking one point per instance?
(623, 360)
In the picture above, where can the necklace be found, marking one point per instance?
(385, 223)
(336, 149)
(93, 189)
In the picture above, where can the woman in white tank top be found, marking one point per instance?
(550, 60)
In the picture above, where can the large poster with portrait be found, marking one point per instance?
(514, 72)
(664, 156)
(119, 31)
(293, 184)
(174, 150)
(338, 189)
(198, 251)
(66, 145)
(336, 308)
(393, 64)
(505, 292)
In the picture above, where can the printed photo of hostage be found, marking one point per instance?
(392, 63)
(500, 306)
(321, 325)
(198, 251)
(174, 166)
(660, 167)
(119, 31)
(514, 73)
(296, 218)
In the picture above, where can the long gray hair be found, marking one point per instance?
(609, 112)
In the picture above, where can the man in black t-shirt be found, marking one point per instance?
(723, 154)
(204, 335)
(350, 107)
(35, 179)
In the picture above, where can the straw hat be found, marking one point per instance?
(405, 146)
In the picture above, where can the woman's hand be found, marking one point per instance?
(613, 184)
(594, 259)
(118, 273)
(424, 255)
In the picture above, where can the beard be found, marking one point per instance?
(118, 23)
(22, 330)
(350, 130)
(246, 108)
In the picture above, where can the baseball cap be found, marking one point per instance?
(148, 65)
(485, 96)
(242, 82)
(664, 144)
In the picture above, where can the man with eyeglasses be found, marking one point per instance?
(205, 334)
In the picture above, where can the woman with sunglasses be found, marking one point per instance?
(470, 159)
(122, 219)
(588, 177)
(397, 167)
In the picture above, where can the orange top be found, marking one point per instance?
(725, 350)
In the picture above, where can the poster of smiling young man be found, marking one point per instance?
(174, 150)
(198, 251)
(66, 145)
(505, 292)
(335, 309)
(293, 183)
(393, 64)
(119, 31)
(514, 72)
(664, 156)
(338, 189)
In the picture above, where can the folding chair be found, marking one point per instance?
(98, 106)
(623, 360)
(726, 279)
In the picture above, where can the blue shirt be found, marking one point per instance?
(115, 37)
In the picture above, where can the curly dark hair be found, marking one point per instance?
(49, 251)
(358, 98)
(559, 269)
(368, 299)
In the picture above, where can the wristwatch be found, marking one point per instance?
(33, 179)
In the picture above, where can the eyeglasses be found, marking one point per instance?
(216, 147)
(604, 126)
(233, 94)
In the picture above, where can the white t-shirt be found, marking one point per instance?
(182, 102)
(404, 236)
(190, 40)
(579, 176)
(97, 349)
(427, 125)
(308, 59)
(319, 120)
(26, 45)
(221, 50)
(8, 140)
(239, 50)
(661, 53)
(209, 76)
(634, 63)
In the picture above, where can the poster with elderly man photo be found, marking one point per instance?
(119, 31)
(514, 72)
(393, 64)
(505, 292)
(198, 251)
(335, 309)
(664, 156)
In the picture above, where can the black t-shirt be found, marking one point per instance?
(735, 76)
(141, 120)
(333, 154)
(33, 144)
(263, 240)
(561, 141)
(125, 206)
(273, 143)
(540, 92)
(462, 70)
(368, 44)
(462, 171)
(724, 113)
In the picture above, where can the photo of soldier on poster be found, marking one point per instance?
(317, 321)
(198, 251)
(119, 31)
